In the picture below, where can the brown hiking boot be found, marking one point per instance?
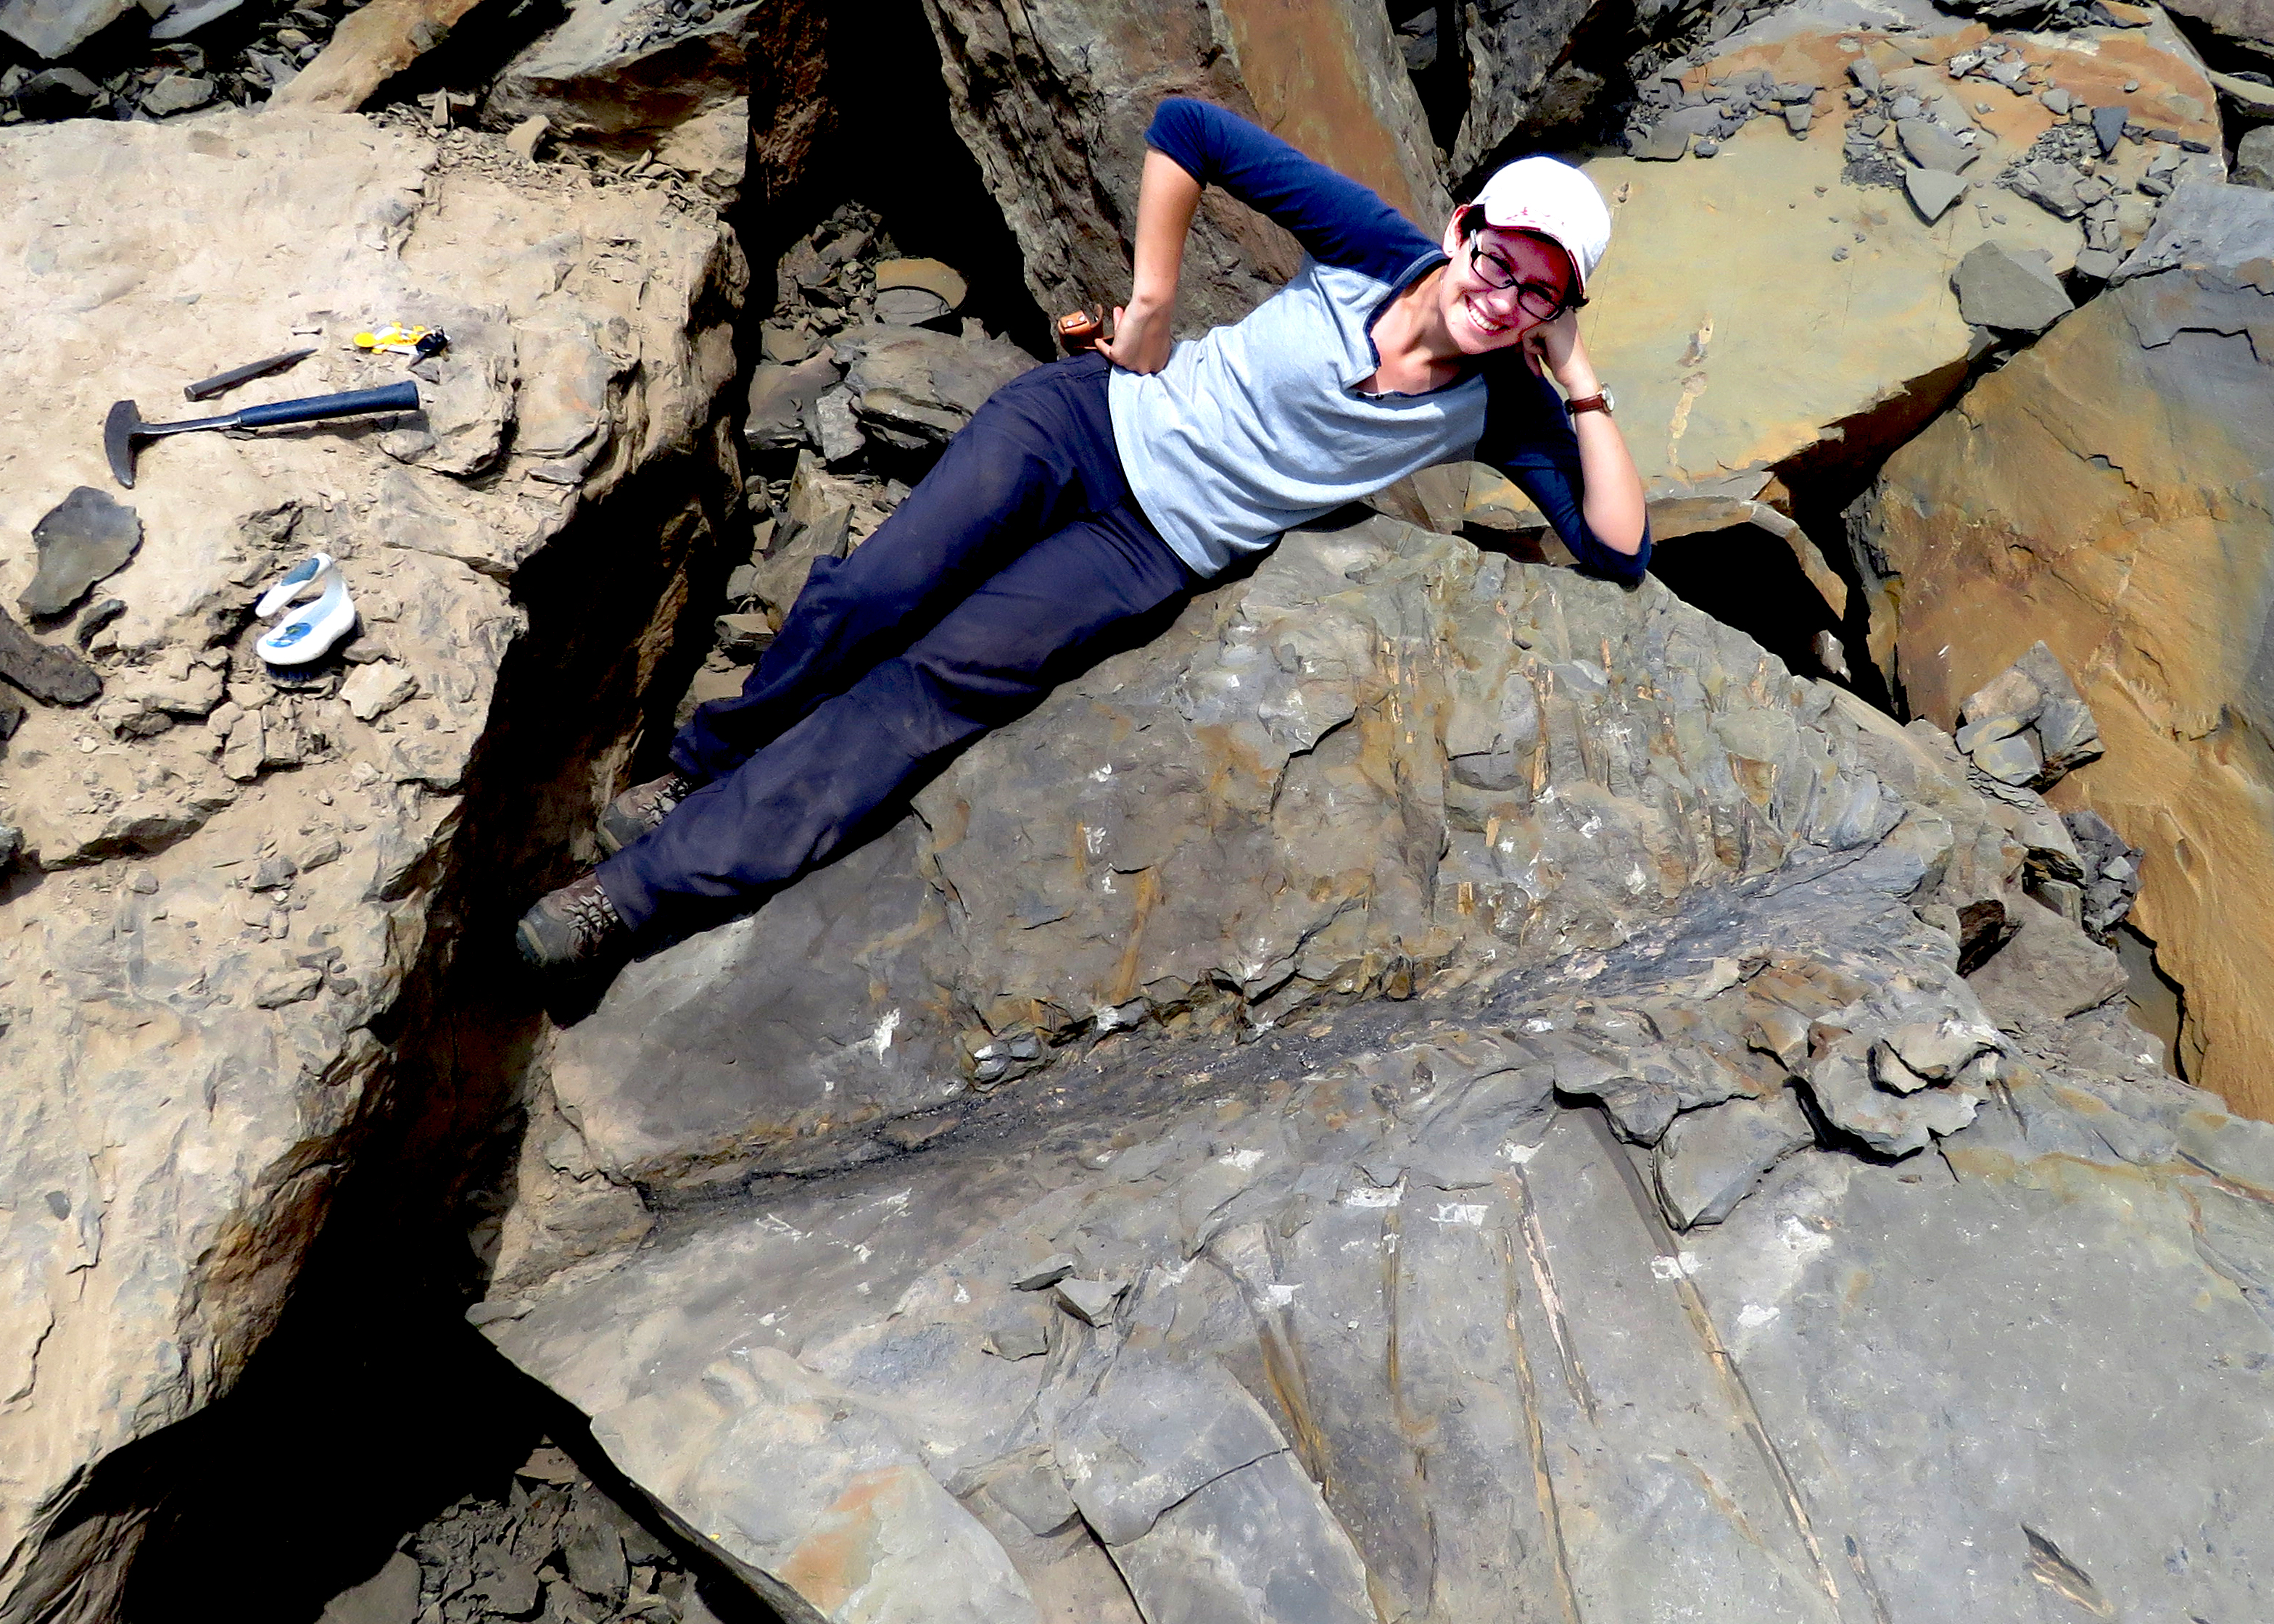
(572, 927)
(641, 808)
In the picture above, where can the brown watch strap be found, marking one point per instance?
(1598, 402)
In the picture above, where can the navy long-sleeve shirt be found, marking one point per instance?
(1255, 428)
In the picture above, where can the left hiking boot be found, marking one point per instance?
(642, 807)
(573, 928)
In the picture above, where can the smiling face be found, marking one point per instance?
(1480, 317)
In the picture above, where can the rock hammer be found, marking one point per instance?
(124, 429)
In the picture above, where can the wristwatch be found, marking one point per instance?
(1600, 401)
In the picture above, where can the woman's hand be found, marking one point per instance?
(1142, 340)
(1555, 345)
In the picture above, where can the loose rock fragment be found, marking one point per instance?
(1048, 1273)
(1710, 1159)
(1931, 147)
(371, 691)
(1090, 1301)
(80, 539)
(1932, 192)
(55, 675)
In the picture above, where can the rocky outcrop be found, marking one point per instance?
(1825, 328)
(2105, 494)
(1420, 1014)
(1513, 48)
(228, 879)
(1053, 100)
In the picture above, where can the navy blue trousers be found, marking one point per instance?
(1004, 571)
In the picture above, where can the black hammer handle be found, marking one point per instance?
(395, 397)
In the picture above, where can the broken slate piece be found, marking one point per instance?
(81, 539)
(1932, 192)
(1048, 1273)
(2051, 185)
(1798, 116)
(2108, 127)
(2058, 101)
(1090, 1301)
(2015, 292)
(931, 275)
(1931, 147)
(54, 675)
(1662, 145)
(1710, 1159)
(176, 93)
(2012, 759)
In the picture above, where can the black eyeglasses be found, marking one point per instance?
(1537, 299)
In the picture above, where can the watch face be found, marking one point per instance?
(1610, 401)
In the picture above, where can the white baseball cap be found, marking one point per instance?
(1550, 197)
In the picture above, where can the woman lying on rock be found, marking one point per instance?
(1114, 485)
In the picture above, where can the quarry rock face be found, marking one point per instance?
(2105, 493)
(1407, 1091)
(1775, 302)
(1053, 100)
(224, 879)
(1425, 1087)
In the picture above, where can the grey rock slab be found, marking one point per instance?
(1155, 1432)
(827, 1023)
(915, 388)
(53, 29)
(2016, 292)
(79, 540)
(1255, 1546)
(1090, 1301)
(1710, 1159)
(1932, 192)
(782, 398)
(2012, 759)
(1834, 1255)
(176, 93)
(1046, 1273)
(1890, 1124)
(1062, 149)
(48, 672)
(388, 1596)
(1514, 53)
(834, 427)
(186, 16)
(2051, 185)
(2049, 968)
(1931, 147)
(2108, 127)
(2254, 158)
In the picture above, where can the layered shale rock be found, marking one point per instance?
(1401, 1098)
(2107, 493)
(1778, 300)
(227, 878)
(1053, 100)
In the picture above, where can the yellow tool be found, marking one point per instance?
(396, 339)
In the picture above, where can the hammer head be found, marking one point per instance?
(119, 431)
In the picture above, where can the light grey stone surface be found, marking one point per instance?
(2015, 292)
(226, 886)
(1407, 1332)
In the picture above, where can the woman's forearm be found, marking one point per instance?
(1613, 505)
(1167, 198)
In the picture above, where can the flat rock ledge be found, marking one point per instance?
(1489, 1118)
(224, 883)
